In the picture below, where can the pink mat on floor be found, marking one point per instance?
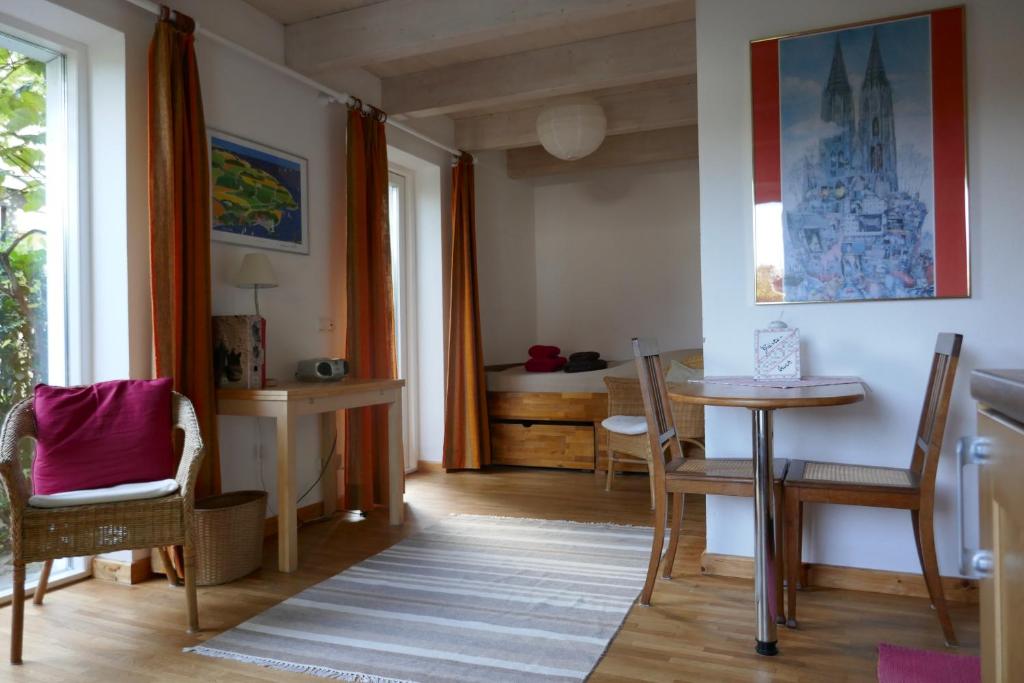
(907, 665)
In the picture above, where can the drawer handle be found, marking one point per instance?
(971, 451)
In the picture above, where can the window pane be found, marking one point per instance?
(30, 225)
(396, 220)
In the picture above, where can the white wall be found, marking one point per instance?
(253, 101)
(506, 259)
(244, 98)
(618, 257)
(586, 261)
(887, 343)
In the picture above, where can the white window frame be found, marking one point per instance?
(67, 311)
(403, 178)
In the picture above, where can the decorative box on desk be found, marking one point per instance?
(777, 352)
(239, 351)
(285, 403)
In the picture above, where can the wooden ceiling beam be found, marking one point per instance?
(661, 104)
(630, 149)
(611, 61)
(396, 29)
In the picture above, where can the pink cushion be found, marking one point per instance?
(102, 435)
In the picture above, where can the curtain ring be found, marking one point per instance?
(165, 13)
(356, 104)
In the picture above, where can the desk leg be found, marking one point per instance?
(396, 462)
(764, 529)
(287, 522)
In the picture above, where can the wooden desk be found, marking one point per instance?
(762, 401)
(288, 401)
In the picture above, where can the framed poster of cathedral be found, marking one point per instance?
(860, 157)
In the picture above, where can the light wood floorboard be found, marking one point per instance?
(699, 628)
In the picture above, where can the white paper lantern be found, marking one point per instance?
(572, 128)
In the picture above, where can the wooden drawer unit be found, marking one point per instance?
(543, 444)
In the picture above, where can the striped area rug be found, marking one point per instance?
(468, 599)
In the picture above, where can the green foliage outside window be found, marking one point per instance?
(23, 345)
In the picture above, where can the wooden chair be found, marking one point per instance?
(45, 534)
(906, 489)
(716, 476)
(626, 428)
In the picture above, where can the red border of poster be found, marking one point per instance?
(952, 258)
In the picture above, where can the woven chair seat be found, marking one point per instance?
(727, 468)
(858, 474)
(51, 533)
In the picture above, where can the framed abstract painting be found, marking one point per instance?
(860, 158)
(259, 195)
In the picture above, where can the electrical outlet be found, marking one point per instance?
(327, 324)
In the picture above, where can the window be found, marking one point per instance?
(36, 227)
(403, 260)
(396, 228)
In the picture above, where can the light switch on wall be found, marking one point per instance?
(327, 324)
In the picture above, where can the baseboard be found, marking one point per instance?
(955, 588)
(429, 467)
(127, 573)
(304, 514)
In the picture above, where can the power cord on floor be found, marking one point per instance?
(259, 462)
(323, 469)
(325, 464)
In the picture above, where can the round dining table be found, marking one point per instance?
(762, 401)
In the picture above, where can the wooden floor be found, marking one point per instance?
(698, 628)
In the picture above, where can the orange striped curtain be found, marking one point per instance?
(179, 229)
(370, 333)
(467, 441)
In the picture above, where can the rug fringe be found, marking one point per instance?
(561, 521)
(280, 665)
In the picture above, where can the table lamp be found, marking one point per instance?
(255, 273)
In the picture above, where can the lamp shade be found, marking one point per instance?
(572, 128)
(255, 272)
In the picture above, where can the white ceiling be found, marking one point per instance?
(292, 11)
(491, 64)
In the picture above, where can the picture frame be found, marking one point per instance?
(258, 195)
(860, 162)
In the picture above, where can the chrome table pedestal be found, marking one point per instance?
(765, 543)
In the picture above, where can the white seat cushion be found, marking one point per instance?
(630, 425)
(112, 494)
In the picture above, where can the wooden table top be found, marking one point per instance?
(292, 391)
(766, 397)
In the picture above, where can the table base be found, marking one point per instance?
(765, 608)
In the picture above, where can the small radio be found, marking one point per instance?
(321, 370)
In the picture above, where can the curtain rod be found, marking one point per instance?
(331, 94)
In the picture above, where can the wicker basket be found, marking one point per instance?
(229, 536)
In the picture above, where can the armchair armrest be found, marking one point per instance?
(20, 423)
(183, 417)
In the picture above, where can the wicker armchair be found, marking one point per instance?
(625, 399)
(44, 534)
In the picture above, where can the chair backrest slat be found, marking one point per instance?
(661, 427)
(932, 425)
